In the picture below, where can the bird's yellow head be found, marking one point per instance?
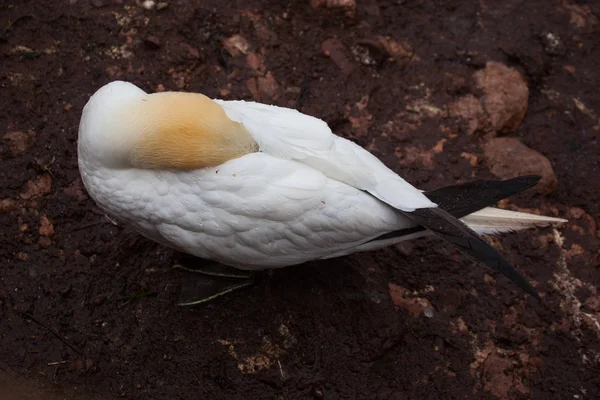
(122, 127)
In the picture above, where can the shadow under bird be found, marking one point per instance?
(254, 186)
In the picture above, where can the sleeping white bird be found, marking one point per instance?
(254, 186)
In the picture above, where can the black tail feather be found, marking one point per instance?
(468, 242)
(466, 198)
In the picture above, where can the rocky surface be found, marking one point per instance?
(508, 157)
(442, 92)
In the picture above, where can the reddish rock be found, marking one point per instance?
(268, 87)
(469, 110)
(505, 96)
(338, 53)
(399, 51)
(414, 305)
(508, 158)
(46, 227)
(19, 141)
(42, 186)
(497, 375)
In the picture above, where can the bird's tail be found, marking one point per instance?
(492, 220)
(464, 213)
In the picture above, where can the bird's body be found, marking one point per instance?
(250, 185)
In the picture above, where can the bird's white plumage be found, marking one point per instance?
(289, 134)
(253, 212)
(307, 194)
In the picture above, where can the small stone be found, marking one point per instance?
(6, 205)
(152, 42)
(414, 305)
(236, 45)
(46, 227)
(472, 158)
(224, 92)
(162, 5)
(336, 50)
(508, 157)
(505, 97)
(42, 186)
(149, 4)
(268, 87)
(399, 51)
(19, 141)
(68, 107)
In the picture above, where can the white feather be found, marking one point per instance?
(488, 221)
(289, 134)
(496, 220)
(253, 212)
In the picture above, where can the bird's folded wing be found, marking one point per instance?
(289, 134)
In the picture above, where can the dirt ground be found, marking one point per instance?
(441, 91)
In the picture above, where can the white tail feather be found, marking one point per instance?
(485, 222)
(495, 220)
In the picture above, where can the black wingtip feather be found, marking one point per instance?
(469, 243)
(466, 198)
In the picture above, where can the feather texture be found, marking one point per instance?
(289, 134)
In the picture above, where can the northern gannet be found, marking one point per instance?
(256, 186)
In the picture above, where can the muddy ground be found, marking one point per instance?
(442, 91)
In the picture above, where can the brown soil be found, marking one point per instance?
(88, 309)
